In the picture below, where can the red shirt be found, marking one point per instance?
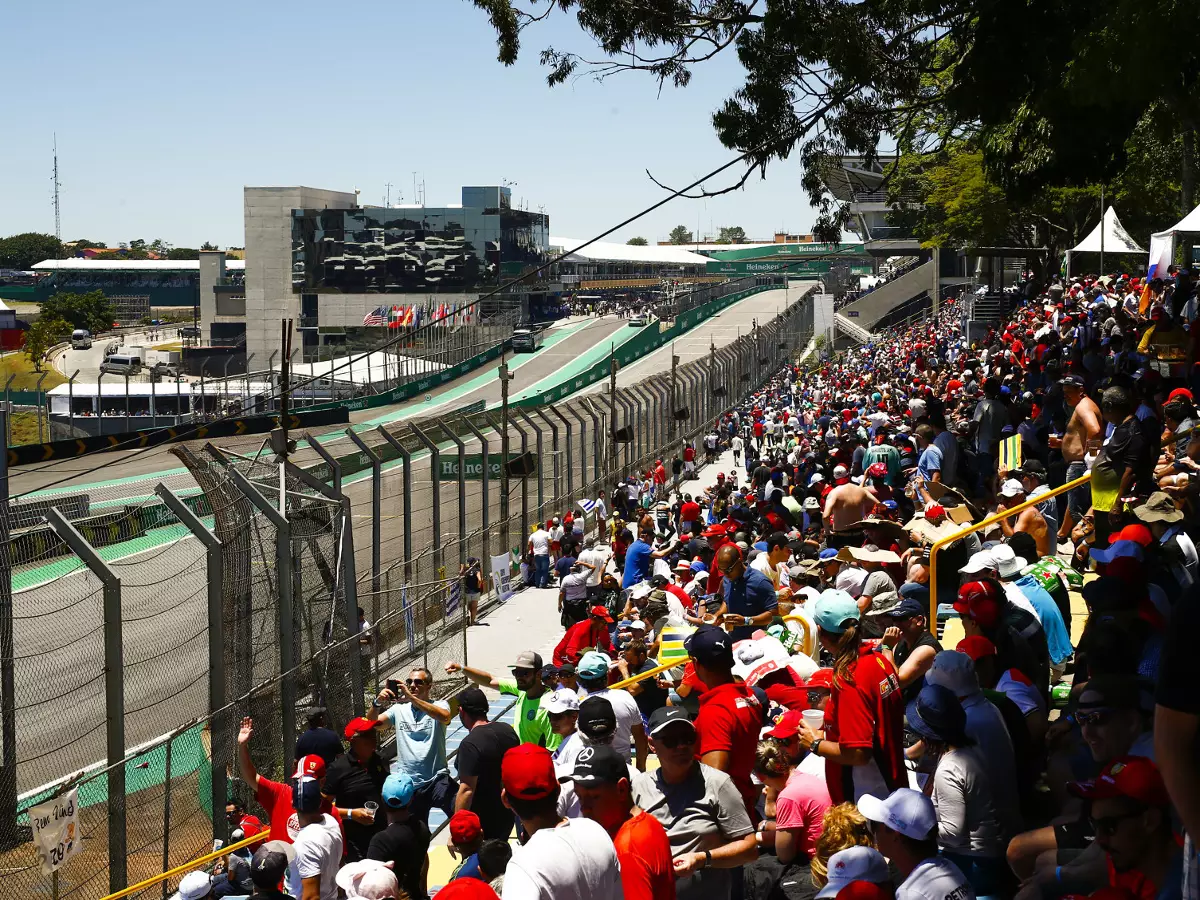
(276, 799)
(689, 454)
(867, 711)
(644, 851)
(681, 595)
(578, 638)
(689, 512)
(714, 575)
(660, 475)
(730, 719)
(758, 429)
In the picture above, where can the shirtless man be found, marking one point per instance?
(1085, 426)
(1032, 522)
(847, 504)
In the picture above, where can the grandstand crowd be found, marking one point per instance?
(826, 708)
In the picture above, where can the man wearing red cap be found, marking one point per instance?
(356, 778)
(563, 859)
(591, 633)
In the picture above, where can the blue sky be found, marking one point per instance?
(164, 112)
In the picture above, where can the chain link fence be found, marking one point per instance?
(145, 627)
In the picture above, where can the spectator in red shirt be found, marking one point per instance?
(863, 740)
(601, 780)
(730, 713)
(592, 632)
(717, 537)
(689, 512)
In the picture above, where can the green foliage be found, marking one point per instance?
(208, 245)
(680, 235)
(84, 244)
(733, 234)
(91, 310)
(42, 335)
(183, 253)
(22, 251)
(636, 242)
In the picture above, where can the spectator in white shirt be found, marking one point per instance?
(906, 830)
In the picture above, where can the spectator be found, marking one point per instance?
(466, 837)
(906, 827)
(844, 826)
(318, 739)
(593, 677)
(479, 758)
(855, 864)
(750, 600)
(268, 867)
(318, 845)
(404, 843)
(799, 802)
(533, 724)
(907, 641)
(355, 779)
(590, 634)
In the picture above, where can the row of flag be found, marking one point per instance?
(444, 314)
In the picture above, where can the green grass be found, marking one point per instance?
(26, 379)
(24, 428)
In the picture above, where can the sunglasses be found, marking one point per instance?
(522, 673)
(683, 739)
(416, 682)
(1108, 825)
(1096, 717)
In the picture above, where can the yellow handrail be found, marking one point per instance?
(989, 521)
(187, 866)
(649, 673)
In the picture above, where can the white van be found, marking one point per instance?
(121, 364)
(81, 339)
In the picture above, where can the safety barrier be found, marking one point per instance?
(187, 867)
(987, 523)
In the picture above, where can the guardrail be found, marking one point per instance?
(987, 523)
(187, 867)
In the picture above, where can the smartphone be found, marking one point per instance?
(393, 685)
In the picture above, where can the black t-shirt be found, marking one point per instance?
(652, 697)
(479, 755)
(563, 566)
(903, 651)
(405, 844)
(1176, 672)
(1128, 449)
(352, 784)
(321, 741)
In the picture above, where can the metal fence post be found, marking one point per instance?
(215, 571)
(597, 431)
(486, 561)
(538, 444)
(435, 479)
(406, 466)
(114, 692)
(545, 417)
(8, 710)
(287, 617)
(462, 489)
(376, 518)
(569, 458)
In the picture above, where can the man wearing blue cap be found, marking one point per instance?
(405, 841)
(907, 641)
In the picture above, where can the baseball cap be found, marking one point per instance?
(865, 890)
(527, 659)
(465, 827)
(786, 725)
(854, 864)
(817, 477)
(358, 726)
(560, 701)
(833, 609)
(1109, 691)
(600, 612)
(599, 765)
(979, 600)
(368, 879)
(398, 790)
(822, 678)
(1071, 380)
(311, 765)
(713, 531)
(473, 700)
(527, 772)
(592, 664)
(194, 886)
(710, 645)
(982, 561)
(306, 794)
(467, 889)
(829, 554)
(1136, 532)
(668, 715)
(937, 713)
(1134, 777)
(1011, 488)
(976, 646)
(270, 862)
(907, 608)
(905, 811)
(1117, 549)
(597, 720)
(840, 472)
(566, 670)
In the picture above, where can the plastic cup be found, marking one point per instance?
(813, 718)
(372, 807)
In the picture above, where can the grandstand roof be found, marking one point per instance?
(129, 265)
(605, 251)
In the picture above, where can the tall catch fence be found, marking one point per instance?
(145, 621)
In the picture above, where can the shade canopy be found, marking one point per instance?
(1109, 236)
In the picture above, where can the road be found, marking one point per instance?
(60, 686)
(88, 361)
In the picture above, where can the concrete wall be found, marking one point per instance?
(269, 296)
(212, 270)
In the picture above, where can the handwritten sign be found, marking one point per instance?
(56, 830)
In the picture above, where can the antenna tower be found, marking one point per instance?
(57, 185)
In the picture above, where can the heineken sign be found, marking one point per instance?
(474, 462)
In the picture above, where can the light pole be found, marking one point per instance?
(505, 376)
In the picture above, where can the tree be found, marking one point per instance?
(22, 251)
(733, 234)
(208, 245)
(823, 80)
(636, 242)
(680, 235)
(183, 253)
(41, 336)
(92, 310)
(160, 247)
(137, 244)
(84, 244)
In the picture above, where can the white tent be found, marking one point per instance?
(1162, 244)
(1109, 236)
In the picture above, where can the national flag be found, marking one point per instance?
(1144, 300)
(374, 319)
(587, 506)
(408, 316)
